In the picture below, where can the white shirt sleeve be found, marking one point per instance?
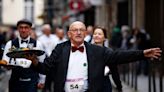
(41, 59)
(6, 50)
(106, 70)
(87, 38)
(40, 47)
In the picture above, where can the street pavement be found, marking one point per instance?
(143, 84)
(4, 81)
(126, 88)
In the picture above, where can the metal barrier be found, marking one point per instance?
(155, 75)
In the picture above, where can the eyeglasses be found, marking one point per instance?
(76, 30)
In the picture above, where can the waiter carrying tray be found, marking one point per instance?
(23, 78)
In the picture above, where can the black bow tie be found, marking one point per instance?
(24, 41)
(81, 49)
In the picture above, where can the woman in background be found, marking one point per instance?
(99, 37)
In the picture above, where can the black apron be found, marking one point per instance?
(23, 79)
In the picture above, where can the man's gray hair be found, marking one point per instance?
(46, 26)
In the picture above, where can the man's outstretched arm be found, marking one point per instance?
(121, 57)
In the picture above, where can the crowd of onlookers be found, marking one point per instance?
(131, 39)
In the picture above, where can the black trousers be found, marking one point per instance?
(107, 84)
(22, 86)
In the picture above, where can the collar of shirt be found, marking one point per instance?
(78, 46)
(28, 39)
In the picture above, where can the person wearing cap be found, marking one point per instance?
(23, 78)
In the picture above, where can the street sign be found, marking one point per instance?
(76, 5)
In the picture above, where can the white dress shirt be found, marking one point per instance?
(77, 73)
(48, 42)
(61, 40)
(88, 38)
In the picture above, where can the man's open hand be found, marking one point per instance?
(153, 53)
(33, 58)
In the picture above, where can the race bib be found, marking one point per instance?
(75, 85)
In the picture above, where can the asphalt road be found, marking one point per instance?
(4, 81)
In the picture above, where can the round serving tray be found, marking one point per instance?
(22, 54)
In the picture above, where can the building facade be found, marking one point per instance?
(0, 11)
(14, 10)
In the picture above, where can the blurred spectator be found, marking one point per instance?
(10, 34)
(33, 34)
(115, 41)
(49, 41)
(60, 35)
(125, 35)
(99, 37)
(88, 37)
(2, 44)
(145, 40)
(140, 40)
(137, 38)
